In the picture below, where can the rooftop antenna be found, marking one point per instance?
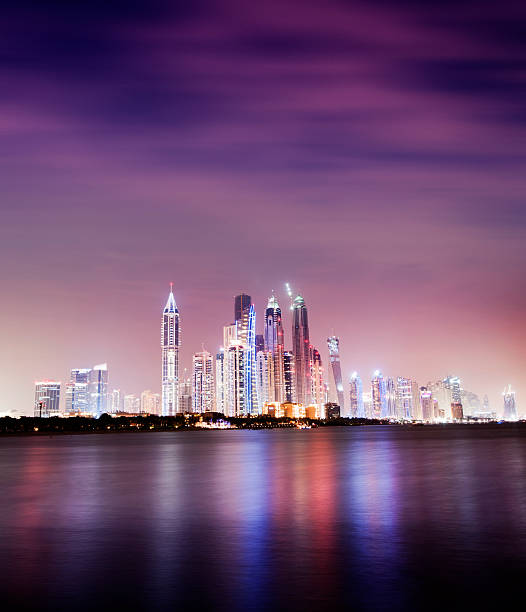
(289, 293)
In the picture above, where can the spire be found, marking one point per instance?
(298, 301)
(272, 302)
(171, 306)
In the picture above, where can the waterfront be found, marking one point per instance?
(378, 517)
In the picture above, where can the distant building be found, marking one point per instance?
(116, 403)
(510, 408)
(47, 398)
(318, 391)
(220, 382)
(98, 389)
(427, 404)
(260, 343)
(185, 394)
(332, 411)
(390, 398)
(150, 402)
(77, 393)
(132, 404)
(379, 395)
(289, 368)
(202, 382)
(457, 413)
(357, 408)
(333, 344)
(404, 398)
(301, 350)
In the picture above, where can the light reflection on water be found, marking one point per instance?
(366, 518)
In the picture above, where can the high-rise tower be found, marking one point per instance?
(356, 397)
(510, 409)
(202, 382)
(301, 350)
(47, 398)
(274, 343)
(98, 389)
(170, 345)
(379, 395)
(242, 303)
(333, 342)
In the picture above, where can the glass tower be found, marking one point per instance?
(170, 345)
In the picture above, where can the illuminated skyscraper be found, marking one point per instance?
(202, 382)
(236, 362)
(274, 343)
(301, 350)
(318, 386)
(221, 382)
(47, 398)
(404, 398)
(427, 404)
(357, 408)
(510, 408)
(289, 377)
(132, 404)
(77, 394)
(378, 396)
(242, 304)
(265, 378)
(170, 345)
(390, 395)
(185, 394)
(250, 368)
(333, 342)
(98, 389)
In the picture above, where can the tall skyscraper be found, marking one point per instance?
(265, 378)
(333, 342)
(185, 394)
(390, 395)
(236, 358)
(378, 395)
(356, 397)
(318, 386)
(242, 303)
(289, 369)
(202, 382)
(221, 382)
(77, 393)
(301, 350)
(250, 367)
(47, 398)
(510, 408)
(98, 389)
(404, 398)
(274, 344)
(170, 346)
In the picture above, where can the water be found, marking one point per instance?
(358, 518)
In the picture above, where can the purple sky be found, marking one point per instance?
(372, 154)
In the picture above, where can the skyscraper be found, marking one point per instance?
(202, 382)
(221, 382)
(404, 398)
(250, 368)
(289, 370)
(265, 378)
(333, 342)
(170, 345)
(150, 402)
(390, 395)
(77, 394)
(378, 395)
(510, 408)
(185, 394)
(427, 403)
(242, 303)
(47, 398)
(98, 389)
(301, 350)
(115, 401)
(260, 343)
(357, 408)
(274, 344)
(318, 386)
(236, 357)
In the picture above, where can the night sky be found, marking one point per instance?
(371, 154)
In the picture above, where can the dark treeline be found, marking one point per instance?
(107, 423)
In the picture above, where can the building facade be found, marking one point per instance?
(170, 346)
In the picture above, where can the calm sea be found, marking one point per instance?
(378, 518)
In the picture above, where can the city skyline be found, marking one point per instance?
(248, 377)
